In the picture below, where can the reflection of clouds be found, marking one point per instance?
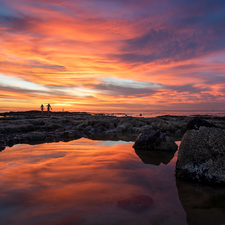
(82, 176)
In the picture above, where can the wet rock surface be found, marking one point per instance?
(35, 127)
(201, 155)
(153, 140)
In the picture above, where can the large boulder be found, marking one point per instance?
(201, 155)
(154, 140)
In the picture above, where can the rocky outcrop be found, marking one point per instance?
(153, 140)
(201, 155)
(56, 126)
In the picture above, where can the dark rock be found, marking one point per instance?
(49, 138)
(53, 126)
(123, 127)
(81, 126)
(115, 121)
(137, 203)
(35, 136)
(197, 122)
(26, 128)
(101, 126)
(68, 134)
(2, 130)
(88, 128)
(10, 142)
(129, 125)
(154, 140)
(161, 124)
(2, 144)
(37, 122)
(68, 127)
(201, 155)
(2, 147)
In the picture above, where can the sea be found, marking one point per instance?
(152, 113)
(155, 113)
(96, 182)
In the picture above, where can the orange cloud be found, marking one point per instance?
(69, 48)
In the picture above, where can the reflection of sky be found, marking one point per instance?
(80, 182)
(111, 143)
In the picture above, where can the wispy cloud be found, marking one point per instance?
(161, 53)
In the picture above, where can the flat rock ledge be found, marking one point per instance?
(153, 140)
(33, 127)
(201, 156)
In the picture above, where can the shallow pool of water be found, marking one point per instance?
(81, 182)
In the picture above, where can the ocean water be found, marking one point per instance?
(154, 113)
(81, 182)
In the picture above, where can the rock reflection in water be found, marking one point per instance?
(81, 182)
(155, 157)
(203, 204)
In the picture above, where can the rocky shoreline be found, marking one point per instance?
(33, 127)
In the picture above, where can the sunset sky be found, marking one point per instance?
(112, 55)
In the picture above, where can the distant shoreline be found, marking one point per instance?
(143, 113)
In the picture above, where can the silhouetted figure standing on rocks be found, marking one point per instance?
(42, 108)
(49, 107)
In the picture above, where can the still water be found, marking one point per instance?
(81, 182)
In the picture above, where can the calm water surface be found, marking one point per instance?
(80, 182)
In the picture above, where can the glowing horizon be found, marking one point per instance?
(112, 55)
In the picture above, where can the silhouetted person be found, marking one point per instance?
(49, 108)
(42, 108)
